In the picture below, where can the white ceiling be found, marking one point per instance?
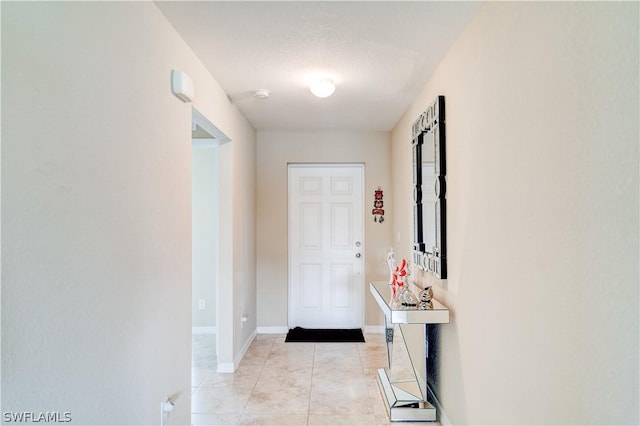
(379, 53)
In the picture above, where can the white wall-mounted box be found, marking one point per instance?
(182, 86)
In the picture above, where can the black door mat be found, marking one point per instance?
(300, 334)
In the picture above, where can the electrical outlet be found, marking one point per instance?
(243, 319)
(202, 304)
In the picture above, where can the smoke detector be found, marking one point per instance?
(261, 94)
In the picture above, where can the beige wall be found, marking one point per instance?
(96, 211)
(243, 217)
(275, 151)
(542, 150)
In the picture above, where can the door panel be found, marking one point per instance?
(311, 275)
(311, 226)
(341, 291)
(326, 278)
(341, 226)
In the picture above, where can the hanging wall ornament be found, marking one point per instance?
(378, 204)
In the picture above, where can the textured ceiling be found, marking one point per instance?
(378, 53)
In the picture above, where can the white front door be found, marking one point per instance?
(326, 247)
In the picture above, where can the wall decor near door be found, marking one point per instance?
(378, 204)
(429, 180)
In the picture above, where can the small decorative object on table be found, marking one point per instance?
(398, 280)
(391, 263)
(425, 305)
(406, 296)
(393, 278)
(425, 297)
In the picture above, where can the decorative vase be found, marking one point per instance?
(394, 284)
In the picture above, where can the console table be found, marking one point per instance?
(404, 383)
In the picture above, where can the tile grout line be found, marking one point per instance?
(242, 412)
(313, 367)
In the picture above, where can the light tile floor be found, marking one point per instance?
(280, 383)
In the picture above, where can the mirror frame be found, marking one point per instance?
(431, 123)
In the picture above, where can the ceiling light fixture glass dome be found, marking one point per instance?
(323, 88)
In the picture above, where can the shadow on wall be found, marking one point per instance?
(454, 378)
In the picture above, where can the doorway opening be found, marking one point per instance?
(208, 242)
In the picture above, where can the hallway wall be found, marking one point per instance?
(542, 115)
(96, 211)
(275, 150)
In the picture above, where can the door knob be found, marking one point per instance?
(358, 255)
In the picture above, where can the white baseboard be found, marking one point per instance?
(442, 417)
(273, 330)
(377, 329)
(204, 330)
(225, 367)
(231, 367)
(244, 349)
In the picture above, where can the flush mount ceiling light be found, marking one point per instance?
(323, 88)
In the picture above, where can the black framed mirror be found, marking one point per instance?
(429, 190)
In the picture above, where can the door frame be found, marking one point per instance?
(224, 299)
(362, 169)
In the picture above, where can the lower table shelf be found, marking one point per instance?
(402, 406)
